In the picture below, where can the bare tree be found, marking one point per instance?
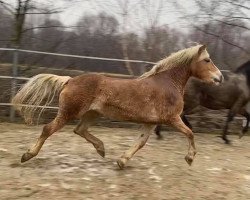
(20, 11)
(124, 6)
(228, 13)
(123, 10)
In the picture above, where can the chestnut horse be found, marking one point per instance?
(154, 98)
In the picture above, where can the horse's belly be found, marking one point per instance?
(143, 114)
(131, 114)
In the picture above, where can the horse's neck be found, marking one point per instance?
(178, 75)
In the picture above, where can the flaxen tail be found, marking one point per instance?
(38, 92)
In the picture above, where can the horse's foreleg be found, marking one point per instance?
(48, 130)
(159, 127)
(140, 142)
(82, 130)
(179, 124)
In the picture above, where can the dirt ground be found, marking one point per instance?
(69, 168)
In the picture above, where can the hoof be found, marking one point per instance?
(159, 137)
(120, 164)
(227, 141)
(241, 135)
(189, 160)
(245, 130)
(26, 157)
(101, 152)
(100, 149)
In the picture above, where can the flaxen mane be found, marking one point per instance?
(181, 58)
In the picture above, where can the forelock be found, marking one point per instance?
(203, 55)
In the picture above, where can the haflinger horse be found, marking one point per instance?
(233, 94)
(154, 98)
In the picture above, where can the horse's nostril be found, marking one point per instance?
(218, 79)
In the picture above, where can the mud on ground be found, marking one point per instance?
(69, 168)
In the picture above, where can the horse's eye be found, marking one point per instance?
(207, 60)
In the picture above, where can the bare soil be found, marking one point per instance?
(69, 168)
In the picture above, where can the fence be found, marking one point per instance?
(15, 76)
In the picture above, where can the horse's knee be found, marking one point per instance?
(79, 131)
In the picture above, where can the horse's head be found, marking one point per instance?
(202, 67)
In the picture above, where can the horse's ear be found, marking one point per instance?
(201, 49)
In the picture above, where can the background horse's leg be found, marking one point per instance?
(48, 130)
(240, 102)
(82, 130)
(245, 129)
(179, 124)
(158, 131)
(186, 122)
(140, 142)
(230, 118)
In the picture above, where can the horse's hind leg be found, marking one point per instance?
(140, 142)
(82, 130)
(48, 130)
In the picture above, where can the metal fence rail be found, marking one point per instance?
(15, 76)
(12, 77)
(77, 56)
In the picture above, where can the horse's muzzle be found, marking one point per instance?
(218, 79)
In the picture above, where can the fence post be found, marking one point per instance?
(14, 83)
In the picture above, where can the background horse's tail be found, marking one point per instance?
(39, 90)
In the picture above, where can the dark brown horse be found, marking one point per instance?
(233, 94)
(154, 98)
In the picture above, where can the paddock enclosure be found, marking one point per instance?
(69, 168)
